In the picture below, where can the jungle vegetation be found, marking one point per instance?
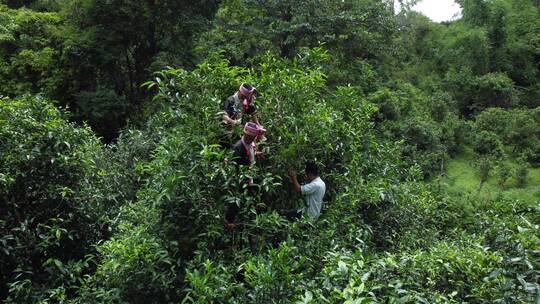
(113, 187)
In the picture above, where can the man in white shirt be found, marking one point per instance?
(312, 191)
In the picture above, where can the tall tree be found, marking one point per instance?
(354, 29)
(475, 12)
(113, 46)
(29, 52)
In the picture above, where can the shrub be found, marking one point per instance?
(494, 120)
(474, 94)
(43, 160)
(136, 268)
(445, 273)
(488, 144)
(504, 172)
(522, 170)
(187, 186)
(484, 165)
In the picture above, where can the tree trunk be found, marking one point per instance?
(442, 167)
(480, 187)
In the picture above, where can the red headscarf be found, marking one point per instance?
(248, 91)
(253, 129)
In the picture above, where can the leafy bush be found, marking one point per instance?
(407, 114)
(494, 120)
(477, 93)
(516, 127)
(190, 210)
(488, 144)
(43, 161)
(447, 273)
(484, 166)
(135, 268)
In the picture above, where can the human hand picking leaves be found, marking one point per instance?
(292, 173)
(294, 178)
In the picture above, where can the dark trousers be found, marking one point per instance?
(231, 213)
(292, 215)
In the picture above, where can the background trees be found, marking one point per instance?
(355, 32)
(93, 55)
(29, 53)
(112, 48)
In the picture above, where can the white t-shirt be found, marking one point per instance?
(314, 193)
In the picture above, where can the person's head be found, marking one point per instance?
(312, 171)
(246, 90)
(251, 131)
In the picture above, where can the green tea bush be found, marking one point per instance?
(152, 226)
(446, 273)
(272, 277)
(43, 162)
(517, 240)
(136, 269)
(62, 191)
(187, 185)
(211, 281)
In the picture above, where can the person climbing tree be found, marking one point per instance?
(242, 102)
(313, 192)
(244, 152)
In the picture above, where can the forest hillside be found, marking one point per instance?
(118, 179)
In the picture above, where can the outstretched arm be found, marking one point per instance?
(295, 182)
(254, 118)
(229, 120)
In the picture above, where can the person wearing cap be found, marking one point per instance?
(313, 193)
(242, 102)
(244, 152)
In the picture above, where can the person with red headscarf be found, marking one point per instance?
(245, 149)
(234, 107)
(244, 152)
(242, 102)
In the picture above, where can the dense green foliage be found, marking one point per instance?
(113, 187)
(44, 164)
(30, 60)
(93, 55)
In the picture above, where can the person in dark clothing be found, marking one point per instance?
(244, 152)
(242, 102)
(244, 149)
